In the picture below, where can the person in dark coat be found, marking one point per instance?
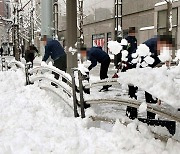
(131, 112)
(1, 51)
(30, 54)
(155, 44)
(54, 50)
(95, 55)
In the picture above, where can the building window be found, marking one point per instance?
(98, 40)
(162, 18)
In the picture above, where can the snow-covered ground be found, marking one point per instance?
(34, 121)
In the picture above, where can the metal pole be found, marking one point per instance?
(74, 94)
(81, 16)
(47, 18)
(55, 18)
(32, 24)
(117, 17)
(71, 33)
(81, 94)
(16, 32)
(46, 21)
(121, 16)
(169, 18)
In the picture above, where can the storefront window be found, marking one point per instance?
(98, 40)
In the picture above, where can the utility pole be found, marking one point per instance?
(55, 19)
(32, 24)
(169, 17)
(118, 26)
(46, 21)
(16, 31)
(71, 33)
(118, 20)
(81, 17)
(47, 18)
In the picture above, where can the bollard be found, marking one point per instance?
(74, 94)
(27, 67)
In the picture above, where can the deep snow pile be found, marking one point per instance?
(161, 82)
(32, 122)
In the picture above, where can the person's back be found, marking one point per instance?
(152, 44)
(53, 49)
(98, 54)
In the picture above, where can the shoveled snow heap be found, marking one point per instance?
(31, 121)
(161, 82)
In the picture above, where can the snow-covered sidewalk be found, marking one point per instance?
(33, 122)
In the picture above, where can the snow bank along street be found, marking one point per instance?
(33, 121)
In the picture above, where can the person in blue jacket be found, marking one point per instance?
(54, 50)
(97, 55)
(155, 45)
(131, 112)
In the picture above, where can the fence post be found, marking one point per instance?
(27, 67)
(74, 94)
(81, 94)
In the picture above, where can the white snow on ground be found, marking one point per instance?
(32, 122)
(161, 82)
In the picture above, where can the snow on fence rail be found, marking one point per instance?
(52, 69)
(160, 110)
(59, 84)
(16, 63)
(37, 74)
(162, 83)
(164, 112)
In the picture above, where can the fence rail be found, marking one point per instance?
(70, 89)
(133, 103)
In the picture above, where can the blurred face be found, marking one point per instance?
(132, 34)
(83, 53)
(44, 42)
(163, 46)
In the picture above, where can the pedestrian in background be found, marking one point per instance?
(30, 54)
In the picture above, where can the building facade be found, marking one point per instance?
(100, 20)
(160, 20)
(4, 12)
